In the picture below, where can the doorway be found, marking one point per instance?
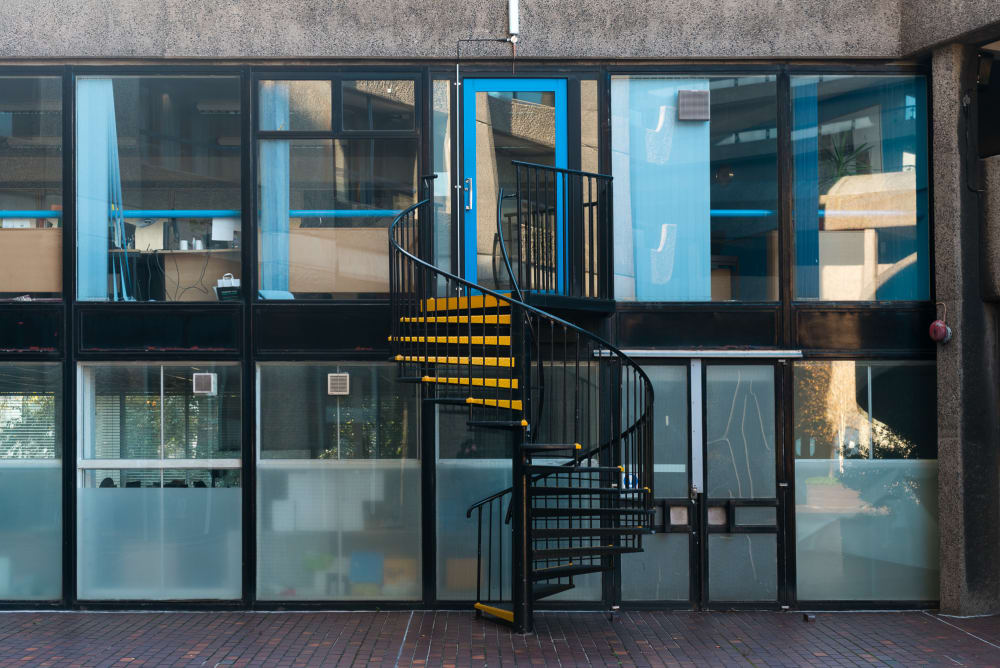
(504, 120)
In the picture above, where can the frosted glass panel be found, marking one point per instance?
(866, 530)
(159, 543)
(670, 430)
(30, 529)
(338, 530)
(338, 485)
(742, 567)
(739, 403)
(660, 572)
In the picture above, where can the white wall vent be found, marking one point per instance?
(338, 384)
(694, 105)
(205, 383)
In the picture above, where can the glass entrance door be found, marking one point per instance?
(504, 120)
(719, 487)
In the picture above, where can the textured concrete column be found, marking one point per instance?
(969, 503)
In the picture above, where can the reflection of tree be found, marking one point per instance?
(371, 427)
(27, 426)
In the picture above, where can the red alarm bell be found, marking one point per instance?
(940, 331)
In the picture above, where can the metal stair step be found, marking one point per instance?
(542, 591)
(455, 340)
(546, 491)
(499, 613)
(565, 571)
(549, 447)
(501, 319)
(512, 404)
(596, 531)
(506, 383)
(556, 468)
(586, 512)
(498, 424)
(594, 550)
(457, 359)
(457, 303)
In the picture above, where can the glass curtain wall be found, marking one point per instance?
(158, 188)
(866, 481)
(326, 201)
(30, 188)
(861, 199)
(30, 481)
(159, 512)
(338, 483)
(696, 188)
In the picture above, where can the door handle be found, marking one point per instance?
(469, 195)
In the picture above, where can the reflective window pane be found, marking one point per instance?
(379, 104)
(326, 206)
(30, 188)
(158, 188)
(295, 105)
(30, 481)
(866, 481)
(159, 500)
(696, 191)
(861, 198)
(444, 231)
(339, 485)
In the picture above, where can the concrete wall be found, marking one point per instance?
(429, 28)
(926, 23)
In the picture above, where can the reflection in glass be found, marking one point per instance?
(295, 105)
(30, 481)
(158, 188)
(695, 204)
(326, 206)
(866, 481)
(30, 187)
(441, 188)
(339, 485)
(743, 567)
(159, 504)
(509, 126)
(861, 212)
(378, 105)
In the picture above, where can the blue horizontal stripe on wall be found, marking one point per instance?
(213, 213)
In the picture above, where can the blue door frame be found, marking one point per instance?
(470, 202)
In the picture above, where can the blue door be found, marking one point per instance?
(504, 120)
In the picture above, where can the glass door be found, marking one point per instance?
(504, 120)
(719, 486)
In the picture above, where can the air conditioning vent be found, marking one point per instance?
(205, 383)
(338, 384)
(693, 105)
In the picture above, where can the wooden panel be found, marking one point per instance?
(189, 276)
(339, 259)
(31, 260)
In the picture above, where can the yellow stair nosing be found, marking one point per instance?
(477, 340)
(505, 362)
(453, 303)
(513, 404)
(501, 319)
(506, 615)
(476, 381)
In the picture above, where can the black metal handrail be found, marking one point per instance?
(515, 366)
(560, 231)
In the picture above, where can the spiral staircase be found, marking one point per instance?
(576, 409)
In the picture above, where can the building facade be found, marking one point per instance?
(198, 406)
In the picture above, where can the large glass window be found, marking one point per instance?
(30, 481)
(696, 188)
(861, 205)
(326, 202)
(158, 188)
(866, 481)
(338, 483)
(158, 498)
(30, 188)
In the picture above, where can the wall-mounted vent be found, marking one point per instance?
(338, 384)
(693, 105)
(205, 383)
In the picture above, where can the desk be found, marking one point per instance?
(183, 279)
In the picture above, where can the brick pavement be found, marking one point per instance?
(426, 638)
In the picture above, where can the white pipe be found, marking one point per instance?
(513, 18)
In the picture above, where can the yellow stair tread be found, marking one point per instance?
(506, 615)
(502, 319)
(454, 303)
(513, 404)
(475, 340)
(452, 359)
(510, 383)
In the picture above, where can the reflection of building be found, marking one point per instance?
(208, 192)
